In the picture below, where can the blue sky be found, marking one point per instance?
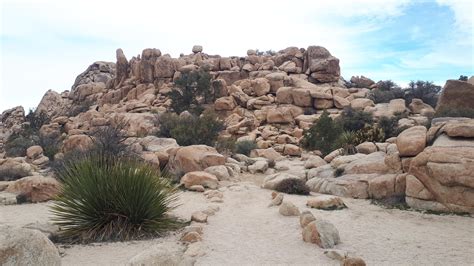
(46, 44)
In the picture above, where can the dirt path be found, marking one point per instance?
(246, 232)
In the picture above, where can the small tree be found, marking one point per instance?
(427, 91)
(386, 91)
(191, 90)
(463, 78)
(322, 135)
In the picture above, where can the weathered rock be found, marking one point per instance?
(277, 200)
(314, 162)
(76, 142)
(199, 217)
(417, 106)
(353, 261)
(456, 94)
(360, 104)
(385, 186)
(34, 152)
(373, 163)
(447, 174)
(190, 237)
(194, 158)
(164, 67)
(321, 233)
(35, 188)
(197, 49)
(362, 82)
(412, 141)
(321, 64)
(288, 209)
(326, 202)
(199, 178)
(366, 148)
(167, 253)
(19, 246)
(225, 104)
(269, 153)
(306, 217)
(259, 166)
(354, 186)
(12, 169)
(155, 144)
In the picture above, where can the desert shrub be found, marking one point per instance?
(463, 78)
(371, 133)
(80, 107)
(110, 138)
(348, 141)
(455, 112)
(190, 130)
(293, 186)
(192, 88)
(322, 135)
(36, 120)
(339, 172)
(50, 144)
(11, 174)
(17, 144)
(245, 147)
(352, 120)
(225, 145)
(424, 90)
(385, 92)
(106, 197)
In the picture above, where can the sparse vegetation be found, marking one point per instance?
(427, 91)
(352, 120)
(107, 197)
(348, 141)
(190, 130)
(322, 135)
(385, 92)
(192, 89)
(225, 145)
(245, 147)
(463, 78)
(293, 186)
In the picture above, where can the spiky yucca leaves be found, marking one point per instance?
(348, 141)
(105, 197)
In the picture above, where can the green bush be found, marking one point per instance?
(352, 120)
(385, 92)
(245, 147)
(348, 141)
(106, 197)
(463, 78)
(424, 90)
(322, 135)
(371, 133)
(225, 145)
(193, 88)
(293, 186)
(455, 112)
(190, 130)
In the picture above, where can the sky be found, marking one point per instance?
(45, 44)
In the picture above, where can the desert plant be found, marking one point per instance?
(322, 135)
(386, 90)
(80, 107)
(225, 145)
(110, 138)
(191, 88)
(348, 142)
(245, 147)
(339, 172)
(50, 144)
(17, 143)
(106, 197)
(463, 78)
(352, 120)
(424, 90)
(36, 120)
(371, 133)
(293, 186)
(191, 130)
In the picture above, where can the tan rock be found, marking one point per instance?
(76, 142)
(191, 237)
(306, 217)
(35, 188)
(321, 233)
(199, 178)
(34, 152)
(193, 158)
(288, 209)
(360, 104)
(199, 217)
(225, 103)
(456, 94)
(353, 261)
(326, 202)
(314, 161)
(412, 141)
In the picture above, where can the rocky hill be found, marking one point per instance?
(272, 99)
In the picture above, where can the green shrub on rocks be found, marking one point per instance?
(106, 197)
(245, 147)
(293, 186)
(322, 135)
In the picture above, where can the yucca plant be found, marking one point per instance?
(348, 141)
(105, 197)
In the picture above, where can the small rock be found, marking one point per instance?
(199, 178)
(326, 202)
(194, 250)
(7, 198)
(336, 254)
(305, 218)
(191, 237)
(213, 193)
(197, 49)
(355, 261)
(288, 209)
(259, 166)
(197, 188)
(216, 200)
(277, 200)
(321, 233)
(193, 228)
(199, 217)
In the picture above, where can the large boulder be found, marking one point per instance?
(52, 104)
(98, 72)
(321, 65)
(456, 94)
(76, 142)
(272, 181)
(19, 246)
(200, 178)
(14, 168)
(442, 179)
(412, 141)
(35, 188)
(122, 67)
(193, 158)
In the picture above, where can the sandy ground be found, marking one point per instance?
(247, 232)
